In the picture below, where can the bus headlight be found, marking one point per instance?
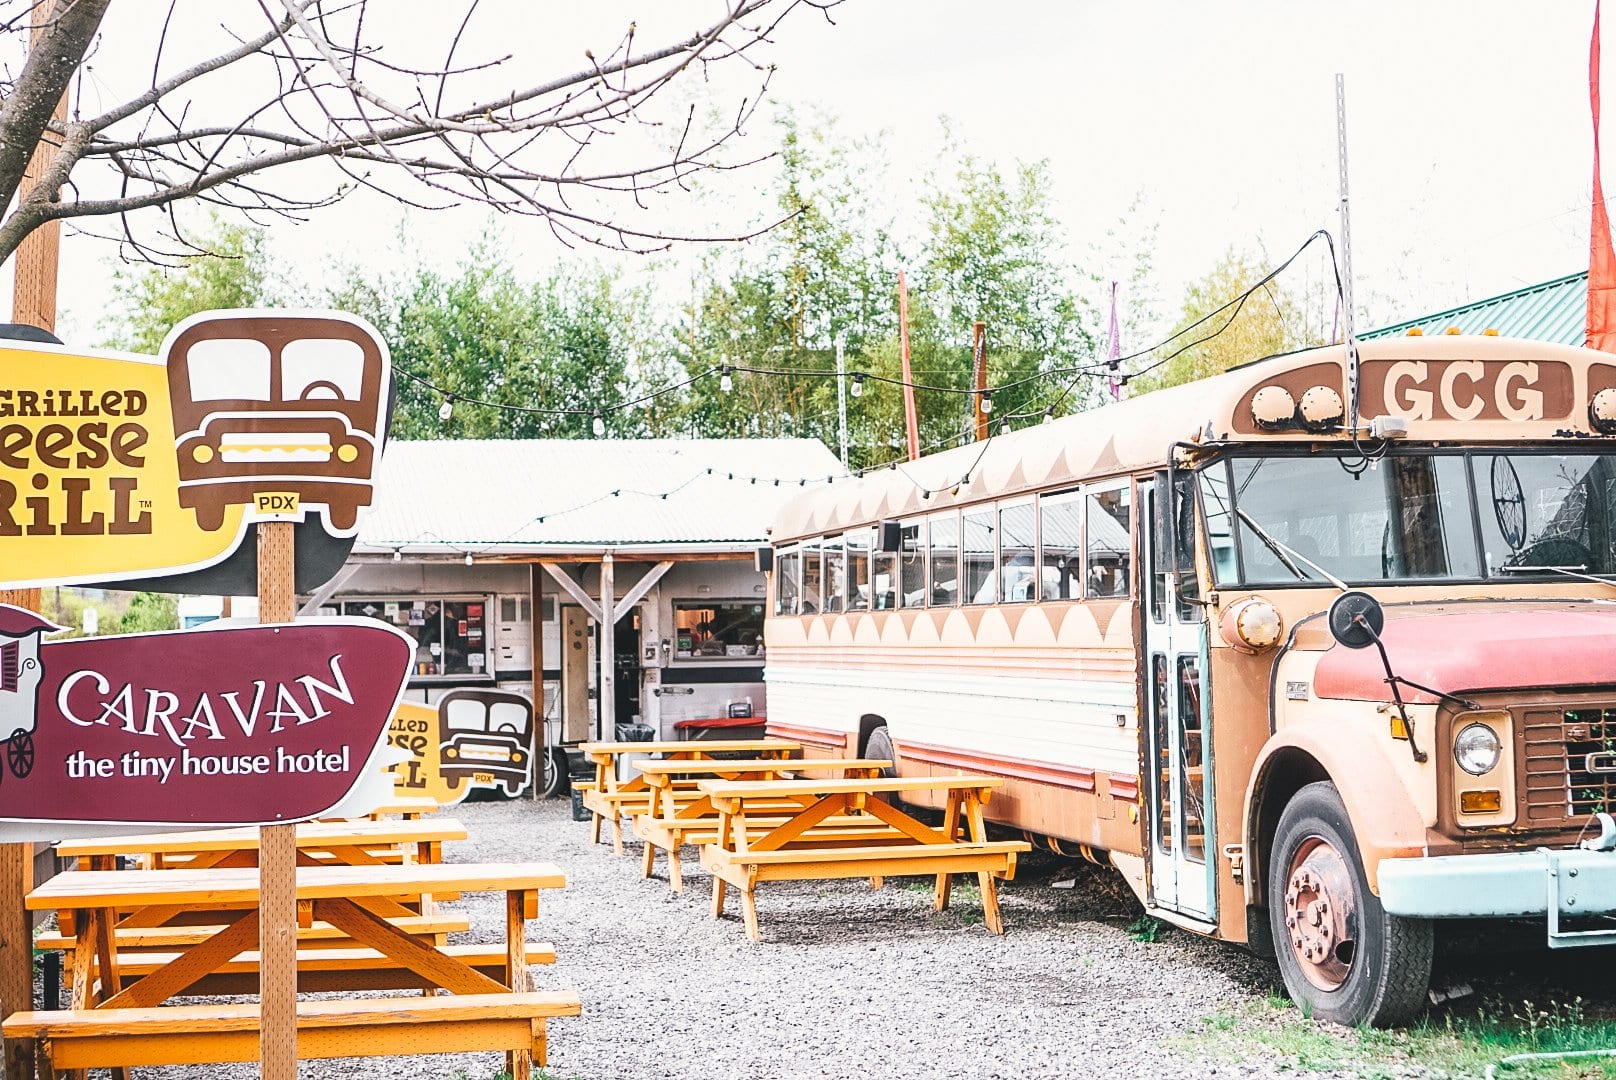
(1251, 625)
(1476, 749)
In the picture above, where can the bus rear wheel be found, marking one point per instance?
(1343, 958)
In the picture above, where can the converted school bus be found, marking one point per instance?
(1125, 614)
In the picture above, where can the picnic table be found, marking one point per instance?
(609, 799)
(355, 843)
(115, 1023)
(754, 843)
(678, 813)
(406, 806)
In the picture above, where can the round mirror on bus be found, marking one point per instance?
(1356, 619)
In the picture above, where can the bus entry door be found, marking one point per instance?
(1177, 747)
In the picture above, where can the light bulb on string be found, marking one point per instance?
(598, 426)
(987, 402)
(1004, 428)
(468, 558)
(857, 389)
(1049, 415)
(446, 410)
(725, 382)
(398, 554)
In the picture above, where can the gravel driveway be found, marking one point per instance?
(848, 982)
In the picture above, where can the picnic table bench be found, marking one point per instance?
(745, 852)
(679, 813)
(610, 799)
(115, 1023)
(357, 843)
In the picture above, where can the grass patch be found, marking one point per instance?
(1455, 1045)
(1146, 929)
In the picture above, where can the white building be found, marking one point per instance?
(501, 558)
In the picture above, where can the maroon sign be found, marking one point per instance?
(205, 727)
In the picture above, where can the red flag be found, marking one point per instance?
(1601, 258)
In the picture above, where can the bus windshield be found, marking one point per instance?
(1448, 516)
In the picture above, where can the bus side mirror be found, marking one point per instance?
(763, 559)
(1356, 619)
(889, 537)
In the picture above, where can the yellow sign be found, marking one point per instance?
(415, 730)
(89, 483)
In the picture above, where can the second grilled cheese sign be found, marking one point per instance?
(115, 466)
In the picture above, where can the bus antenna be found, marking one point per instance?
(1346, 253)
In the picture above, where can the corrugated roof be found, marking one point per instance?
(1553, 311)
(511, 495)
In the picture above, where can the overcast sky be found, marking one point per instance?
(1470, 143)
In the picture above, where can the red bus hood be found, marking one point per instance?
(1496, 647)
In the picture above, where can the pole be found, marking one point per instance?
(841, 397)
(607, 697)
(908, 380)
(277, 849)
(979, 378)
(541, 737)
(16, 929)
(1346, 253)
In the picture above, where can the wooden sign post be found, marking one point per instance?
(277, 849)
(16, 929)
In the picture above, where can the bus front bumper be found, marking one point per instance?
(1557, 884)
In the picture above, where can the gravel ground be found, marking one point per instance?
(848, 982)
(854, 983)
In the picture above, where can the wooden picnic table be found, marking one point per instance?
(406, 806)
(609, 799)
(754, 843)
(356, 843)
(356, 899)
(678, 813)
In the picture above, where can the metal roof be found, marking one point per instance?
(537, 496)
(1553, 311)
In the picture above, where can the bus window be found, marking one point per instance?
(912, 564)
(858, 569)
(1110, 551)
(1060, 527)
(812, 578)
(835, 575)
(1017, 552)
(1219, 523)
(980, 557)
(884, 580)
(944, 582)
(787, 581)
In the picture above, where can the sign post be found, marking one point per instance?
(16, 929)
(277, 850)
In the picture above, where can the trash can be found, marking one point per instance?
(632, 732)
(579, 813)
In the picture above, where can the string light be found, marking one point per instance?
(987, 402)
(468, 558)
(725, 383)
(398, 554)
(598, 426)
(446, 410)
(857, 389)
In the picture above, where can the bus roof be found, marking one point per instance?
(1448, 388)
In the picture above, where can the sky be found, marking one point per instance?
(1468, 129)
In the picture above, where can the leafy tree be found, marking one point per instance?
(230, 269)
(149, 611)
(1273, 319)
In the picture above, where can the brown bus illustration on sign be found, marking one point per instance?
(275, 410)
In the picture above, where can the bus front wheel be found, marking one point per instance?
(1343, 958)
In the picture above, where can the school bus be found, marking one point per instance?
(1310, 685)
(290, 406)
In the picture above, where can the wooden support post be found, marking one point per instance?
(606, 692)
(16, 929)
(277, 848)
(541, 738)
(33, 297)
(979, 379)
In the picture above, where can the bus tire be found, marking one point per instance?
(1343, 958)
(878, 745)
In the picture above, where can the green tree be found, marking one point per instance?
(1274, 318)
(232, 271)
(149, 611)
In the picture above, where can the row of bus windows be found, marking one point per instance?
(982, 555)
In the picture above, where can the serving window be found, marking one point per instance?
(450, 632)
(717, 629)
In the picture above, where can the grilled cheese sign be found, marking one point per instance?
(115, 466)
(1467, 390)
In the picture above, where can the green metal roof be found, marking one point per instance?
(1553, 311)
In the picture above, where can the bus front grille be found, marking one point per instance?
(1568, 764)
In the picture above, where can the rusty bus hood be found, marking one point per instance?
(1477, 646)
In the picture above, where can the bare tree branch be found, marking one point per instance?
(582, 150)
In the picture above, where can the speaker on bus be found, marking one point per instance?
(889, 536)
(763, 559)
